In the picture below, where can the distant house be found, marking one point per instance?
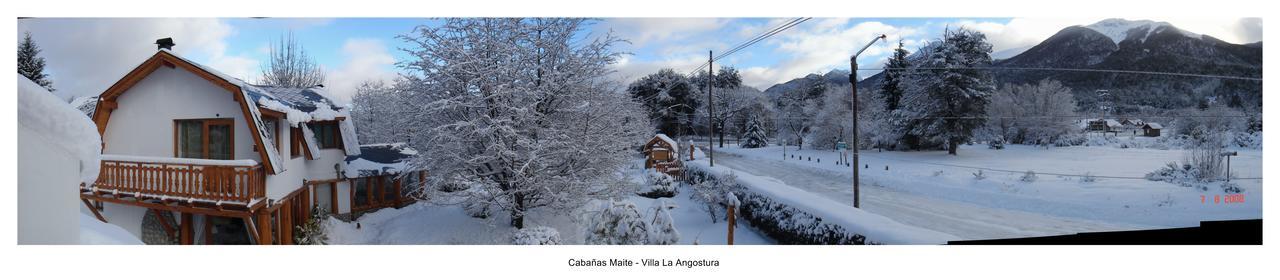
(1105, 125)
(662, 153)
(1151, 129)
(234, 162)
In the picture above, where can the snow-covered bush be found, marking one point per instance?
(711, 191)
(658, 184)
(538, 235)
(617, 223)
(783, 223)
(313, 232)
(1029, 177)
(480, 200)
(662, 230)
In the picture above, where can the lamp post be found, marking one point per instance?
(853, 80)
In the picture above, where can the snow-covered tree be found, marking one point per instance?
(523, 106)
(662, 228)
(950, 101)
(374, 109)
(617, 223)
(754, 137)
(891, 87)
(30, 64)
(669, 98)
(728, 103)
(1031, 114)
(290, 65)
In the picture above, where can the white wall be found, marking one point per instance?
(48, 188)
(143, 125)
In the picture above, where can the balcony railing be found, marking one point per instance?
(216, 181)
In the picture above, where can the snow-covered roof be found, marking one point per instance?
(1154, 125)
(380, 159)
(667, 139)
(66, 127)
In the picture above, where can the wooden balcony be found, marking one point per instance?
(191, 180)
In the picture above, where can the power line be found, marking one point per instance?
(753, 41)
(1073, 70)
(1037, 173)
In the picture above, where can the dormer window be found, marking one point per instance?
(327, 134)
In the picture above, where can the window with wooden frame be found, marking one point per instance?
(327, 134)
(204, 138)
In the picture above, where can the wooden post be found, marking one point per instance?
(208, 230)
(186, 233)
(286, 222)
(333, 197)
(690, 150)
(264, 227)
(732, 222)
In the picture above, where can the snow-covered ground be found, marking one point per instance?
(426, 223)
(936, 191)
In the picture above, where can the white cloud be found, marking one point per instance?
(366, 60)
(822, 45)
(85, 56)
(642, 31)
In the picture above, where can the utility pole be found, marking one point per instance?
(711, 130)
(853, 80)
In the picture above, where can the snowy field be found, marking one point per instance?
(940, 192)
(426, 223)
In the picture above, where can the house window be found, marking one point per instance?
(295, 142)
(204, 138)
(360, 193)
(327, 134)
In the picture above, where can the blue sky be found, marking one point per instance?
(354, 50)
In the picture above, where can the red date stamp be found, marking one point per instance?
(1222, 199)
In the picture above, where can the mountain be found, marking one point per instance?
(1137, 45)
(834, 77)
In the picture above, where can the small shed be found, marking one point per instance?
(662, 153)
(1105, 125)
(1151, 129)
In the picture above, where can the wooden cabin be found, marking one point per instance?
(201, 157)
(663, 154)
(1151, 129)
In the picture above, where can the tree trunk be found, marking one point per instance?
(517, 214)
(722, 135)
(952, 145)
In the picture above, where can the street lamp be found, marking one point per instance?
(853, 80)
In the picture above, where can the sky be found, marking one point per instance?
(86, 55)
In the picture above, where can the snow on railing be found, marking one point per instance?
(238, 181)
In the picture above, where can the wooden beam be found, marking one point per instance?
(333, 197)
(94, 210)
(183, 207)
(264, 227)
(186, 235)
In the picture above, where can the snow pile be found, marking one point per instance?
(657, 184)
(538, 235)
(191, 161)
(68, 127)
(761, 191)
(95, 232)
(663, 229)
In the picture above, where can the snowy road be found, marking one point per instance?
(967, 220)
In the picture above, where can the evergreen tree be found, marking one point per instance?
(30, 64)
(950, 103)
(891, 87)
(755, 136)
(313, 231)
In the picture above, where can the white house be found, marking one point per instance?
(198, 157)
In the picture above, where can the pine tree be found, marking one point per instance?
(755, 136)
(313, 231)
(30, 64)
(950, 103)
(891, 87)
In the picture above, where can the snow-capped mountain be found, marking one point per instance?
(1120, 29)
(1143, 45)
